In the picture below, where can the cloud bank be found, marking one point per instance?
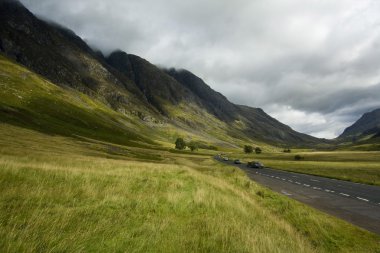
(314, 64)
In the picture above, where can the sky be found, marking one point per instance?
(312, 64)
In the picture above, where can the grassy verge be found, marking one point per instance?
(355, 166)
(64, 195)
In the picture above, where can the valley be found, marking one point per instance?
(88, 160)
(111, 197)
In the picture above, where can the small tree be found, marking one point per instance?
(287, 150)
(192, 146)
(180, 144)
(298, 157)
(258, 150)
(248, 149)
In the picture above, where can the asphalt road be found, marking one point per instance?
(356, 203)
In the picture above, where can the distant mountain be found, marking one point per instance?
(367, 125)
(163, 102)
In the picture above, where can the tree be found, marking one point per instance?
(180, 144)
(258, 150)
(248, 149)
(192, 146)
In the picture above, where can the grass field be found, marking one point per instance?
(355, 166)
(59, 194)
(76, 176)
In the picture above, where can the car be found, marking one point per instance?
(237, 161)
(255, 165)
(225, 159)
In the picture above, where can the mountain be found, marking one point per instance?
(141, 98)
(367, 125)
(257, 123)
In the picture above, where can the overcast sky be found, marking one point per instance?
(312, 64)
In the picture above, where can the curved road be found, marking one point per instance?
(356, 203)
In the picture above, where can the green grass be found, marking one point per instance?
(76, 176)
(59, 194)
(355, 166)
(30, 101)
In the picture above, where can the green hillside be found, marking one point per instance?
(29, 101)
(169, 102)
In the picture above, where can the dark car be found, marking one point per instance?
(255, 165)
(237, 161)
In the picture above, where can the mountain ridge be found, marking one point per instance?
(367, 124)
(134, 87)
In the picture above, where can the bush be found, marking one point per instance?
(258, 150)
(287, 150)
(298, 157)
(248, 149)
(192, 146)
(180, 144)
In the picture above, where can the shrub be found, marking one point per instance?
(180, 144)
(287, 150)
(298, 157)
(258, 150)
(248, 149)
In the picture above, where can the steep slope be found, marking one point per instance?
(214, 102)
(169, 102)
(65, 59)
(30, 101)
(253, 122)
(368, 124)
(364, 134)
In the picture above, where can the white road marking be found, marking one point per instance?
(327, 190)
(344, 194)
(286, 193)
(362, 199)
(277, 177)
(283, 179)
(298, 183)
(290, 181)
(314, 180)
(317, 188)
(332, 191)
(307, 185)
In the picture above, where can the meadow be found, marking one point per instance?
(355, 166)
(62, 194)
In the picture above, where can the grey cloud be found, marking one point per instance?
(320, 58)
